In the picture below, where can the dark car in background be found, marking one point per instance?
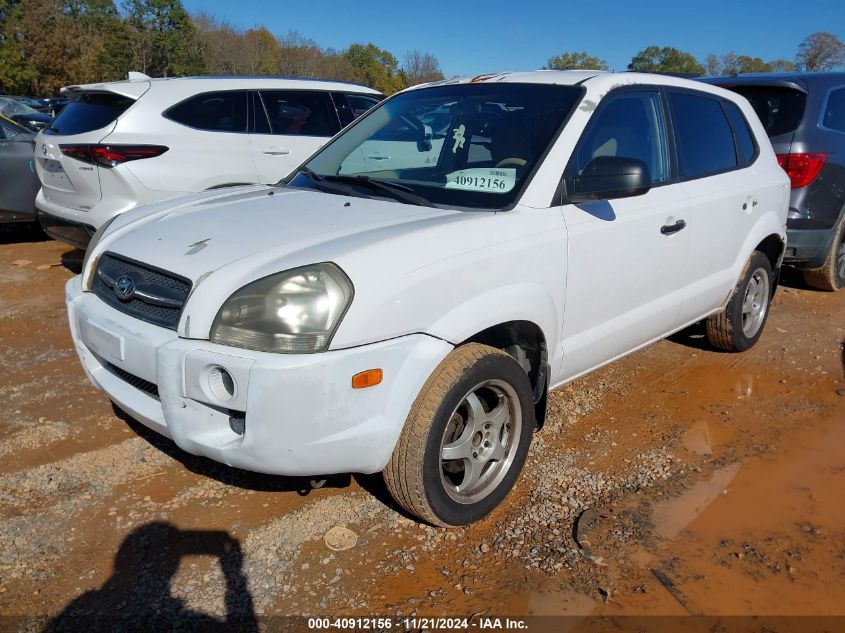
(804, 116)
(18, 181)
(23, 114)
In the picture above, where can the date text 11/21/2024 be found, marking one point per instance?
(415, 623)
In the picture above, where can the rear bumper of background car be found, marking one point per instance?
(299, 413)
(808, 248)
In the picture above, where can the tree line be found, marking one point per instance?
(818, 52)
(47, 44)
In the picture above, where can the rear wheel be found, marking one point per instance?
(831, 276)
(738, 327)
(466, 438)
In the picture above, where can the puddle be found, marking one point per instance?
(673, 516)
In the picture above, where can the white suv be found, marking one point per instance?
(122, 144)
(377, 313)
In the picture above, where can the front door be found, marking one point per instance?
(626, 257)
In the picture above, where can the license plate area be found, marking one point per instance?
(55, 176)
(101, 341)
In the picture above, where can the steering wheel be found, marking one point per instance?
(511, 162)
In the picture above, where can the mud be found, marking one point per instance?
(679, 480)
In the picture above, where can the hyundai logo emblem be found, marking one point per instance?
(124, 287)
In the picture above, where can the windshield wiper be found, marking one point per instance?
(400, 192)
(321, 185)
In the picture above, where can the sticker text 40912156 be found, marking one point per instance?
(482, 179)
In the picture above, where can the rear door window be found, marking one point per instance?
(780, 109)
(834, 113)
(745, 146)
(88, 112)
(703, 136)
(300, 112)
(212, 111)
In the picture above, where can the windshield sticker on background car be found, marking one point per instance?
(482, 179)
(458, 136)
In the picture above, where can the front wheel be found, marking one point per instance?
(466, 438)
(738, 327)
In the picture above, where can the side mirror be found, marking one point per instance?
(608, 177)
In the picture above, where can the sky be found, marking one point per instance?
(471, 38)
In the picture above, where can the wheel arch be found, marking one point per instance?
(773, 247)
(525, 341)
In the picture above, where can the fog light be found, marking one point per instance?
(221, 384)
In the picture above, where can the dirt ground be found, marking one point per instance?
(678, 481)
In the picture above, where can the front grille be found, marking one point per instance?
(156, 296)
(139, 383)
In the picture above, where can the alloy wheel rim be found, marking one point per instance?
(755, 303)
(480, 441)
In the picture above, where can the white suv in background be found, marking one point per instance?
(118, 145)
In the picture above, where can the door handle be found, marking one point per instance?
(669, 229)
(275, 151)
(378, 156)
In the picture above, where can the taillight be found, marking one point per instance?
(111, 155)
(802, 168)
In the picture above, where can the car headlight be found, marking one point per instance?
(296, 311)
(92, 243)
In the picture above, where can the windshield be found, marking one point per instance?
(10, 107)
(465, 145)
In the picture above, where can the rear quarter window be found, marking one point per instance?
(703, 136)
(89, 112)
(223, 111)
(746, 147)
(834, 112)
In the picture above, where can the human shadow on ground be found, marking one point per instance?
(137, 596)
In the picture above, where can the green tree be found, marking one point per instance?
(782, 66)
(579, 60)
(164, 38)
(820, 52)
(665, 60)
(17, 73)
(375, 67)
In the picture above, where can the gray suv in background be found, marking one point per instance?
(804, 116)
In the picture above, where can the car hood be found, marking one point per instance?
(258, 230)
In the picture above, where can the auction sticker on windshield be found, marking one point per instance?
(482, 179)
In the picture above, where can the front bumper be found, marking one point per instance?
(302, 416)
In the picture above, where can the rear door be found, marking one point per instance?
(289, 126)
(89, 118)
(724, 193)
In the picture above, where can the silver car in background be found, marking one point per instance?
(18, 180)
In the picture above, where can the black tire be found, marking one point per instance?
(418, 477)
(730, 329)
(831, 276)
